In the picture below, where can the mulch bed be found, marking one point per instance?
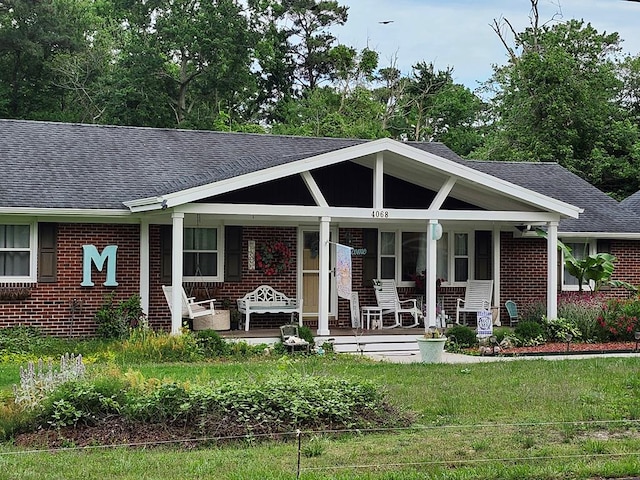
(559, 348)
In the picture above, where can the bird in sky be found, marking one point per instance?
(384, 22)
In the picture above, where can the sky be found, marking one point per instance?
(457, 33)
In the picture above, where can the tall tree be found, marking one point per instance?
(557, 101)
(32, 33)
(200, 52)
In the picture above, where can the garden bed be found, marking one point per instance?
(560, 348)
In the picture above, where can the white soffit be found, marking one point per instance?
(400, 160)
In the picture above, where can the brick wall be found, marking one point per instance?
(228, 292)
(49, 306)
(523, 269)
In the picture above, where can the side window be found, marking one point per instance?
(201, 254)
(579, 250)
(16, 252)
(461, 257)
(387, 255)
(413, 254)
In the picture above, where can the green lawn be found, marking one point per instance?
(510, 420)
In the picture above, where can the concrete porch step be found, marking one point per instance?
(372, 343)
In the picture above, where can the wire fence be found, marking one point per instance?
(300, 436)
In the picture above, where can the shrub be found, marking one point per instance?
(583, 311)
(559, 328)
(21, 339)
(148, 345)
(462, 336)
(502, 332)
(529, 332)
(211, 344)
(619, 319)
(114, 321)
(533, 312)
(305, 333)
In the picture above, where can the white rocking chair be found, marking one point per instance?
(389, 302)
(190, 308)
(477, 297)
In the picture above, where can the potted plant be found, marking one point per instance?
(431, 345)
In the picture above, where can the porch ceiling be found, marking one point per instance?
(432, 178)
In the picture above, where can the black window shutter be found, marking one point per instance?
(483, 255)
(166, 241)
(370, 259)
(47, 252)
(233, 254)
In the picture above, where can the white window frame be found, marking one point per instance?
(450, 257)
(452, 282)
(220, 251)
(395, 256)
(592, 243)
(33, 253)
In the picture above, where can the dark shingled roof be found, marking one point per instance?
(61, 165)
(632, 203)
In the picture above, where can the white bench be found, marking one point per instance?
(265, 299)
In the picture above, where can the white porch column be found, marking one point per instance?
(496, 270)
(552, 270)
(324, 287)
(433, 234)
(144, 266)
(176, 271)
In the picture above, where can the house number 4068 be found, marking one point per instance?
(380, 214)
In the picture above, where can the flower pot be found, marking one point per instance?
(431, 349)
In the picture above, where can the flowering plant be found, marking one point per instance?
(620, 319)
(273, 258)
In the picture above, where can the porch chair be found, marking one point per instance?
(512, 310)
(291, 338)
(190, 308)
(389, 303)
(477, 297)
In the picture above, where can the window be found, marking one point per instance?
(413, 254)
(406, 259)
(580, 249)
(387, 255)
(461, 257)
(17, 259)
(202, 254)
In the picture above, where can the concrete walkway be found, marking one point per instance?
(414, 357)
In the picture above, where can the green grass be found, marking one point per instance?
(508, 420)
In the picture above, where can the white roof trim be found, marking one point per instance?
(349, 153)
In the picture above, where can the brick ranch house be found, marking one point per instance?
(88, 210)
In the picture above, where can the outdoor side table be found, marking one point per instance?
(372, 312)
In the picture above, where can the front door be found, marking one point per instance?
(309, 272)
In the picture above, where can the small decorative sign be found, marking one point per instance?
(485, 323)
